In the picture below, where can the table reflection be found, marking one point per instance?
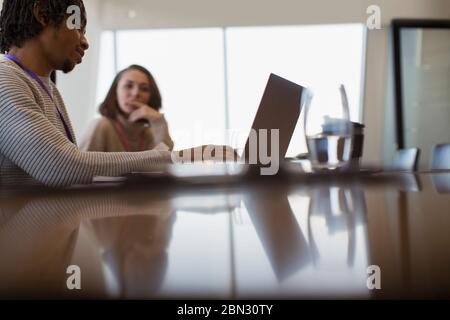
(126, 234)
(441, 182)
(409, 182)
(37, 238)
(336, 211)
(266, 238)
(133, 251)
(281, 236)
(314, 240)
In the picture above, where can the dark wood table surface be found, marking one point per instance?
(259, 237)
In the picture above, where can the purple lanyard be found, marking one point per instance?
(42, 84)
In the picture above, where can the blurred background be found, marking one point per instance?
(211, 60)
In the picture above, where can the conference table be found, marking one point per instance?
(367, 235)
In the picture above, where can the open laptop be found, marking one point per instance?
(279, 110)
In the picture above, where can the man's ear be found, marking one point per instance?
(38, 14)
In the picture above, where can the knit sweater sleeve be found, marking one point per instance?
(33, 143)
(160, 131)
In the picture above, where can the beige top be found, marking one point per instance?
(104, 136)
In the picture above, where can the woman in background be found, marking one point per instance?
(131, 120)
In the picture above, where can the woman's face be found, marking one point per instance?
(133, 86)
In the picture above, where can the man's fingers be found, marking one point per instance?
(209, 153)
(223, 153)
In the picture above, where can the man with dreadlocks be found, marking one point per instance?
(36, 137)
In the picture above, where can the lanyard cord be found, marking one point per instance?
(42, 84)
(123, 139)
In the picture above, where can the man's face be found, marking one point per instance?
(65, 46)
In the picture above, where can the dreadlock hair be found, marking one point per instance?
(18, 23)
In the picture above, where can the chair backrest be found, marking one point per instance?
(406, 159)
(440, 158)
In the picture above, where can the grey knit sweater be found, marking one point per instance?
(33, 142)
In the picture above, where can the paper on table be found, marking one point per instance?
(100, 179)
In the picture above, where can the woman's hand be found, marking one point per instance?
(143, 112)
(206, 153)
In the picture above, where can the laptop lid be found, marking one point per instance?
(279, 109)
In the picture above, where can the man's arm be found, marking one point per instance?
(34, 144)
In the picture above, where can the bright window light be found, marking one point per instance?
(106, 67)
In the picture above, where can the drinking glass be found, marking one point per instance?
(328, 129)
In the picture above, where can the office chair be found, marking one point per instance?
(406, 159)
(441, 157)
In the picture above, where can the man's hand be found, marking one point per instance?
(206, 153)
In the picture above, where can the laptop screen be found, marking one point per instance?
(275, 121)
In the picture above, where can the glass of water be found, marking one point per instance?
(328, 129)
